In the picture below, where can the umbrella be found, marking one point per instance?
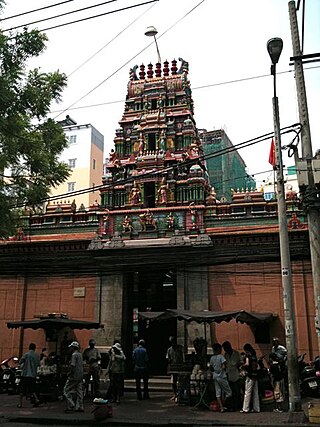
(207, 316)
(54, 323)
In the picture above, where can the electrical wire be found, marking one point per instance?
(35, 10)
(60, 15)
(131, 59)
(218, 153)
(110, 41)
(98, 16)
(193, 89)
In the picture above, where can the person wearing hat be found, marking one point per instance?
(73, 391)
(141, 359)
(279, 349)
(116, 368)
(92, 357)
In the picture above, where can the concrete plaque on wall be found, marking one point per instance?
(79, 292)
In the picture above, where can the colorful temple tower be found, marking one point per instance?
(155, 175)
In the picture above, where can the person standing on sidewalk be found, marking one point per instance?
(233, 374)
(73, 388)
(218, 366)
(277, 376)
(141, 360)
(174, 357)
(251, 382)
(92, 357)
(116, 369)
(29, 364)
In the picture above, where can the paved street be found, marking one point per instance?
(159, 410)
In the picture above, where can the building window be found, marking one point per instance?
(71, 186)
(93, 164)
(72, 163)
(269, 196)
(72, 139)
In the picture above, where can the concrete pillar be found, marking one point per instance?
(108, 308)
(192, 294)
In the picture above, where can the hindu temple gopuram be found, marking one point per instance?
(159, 238)
(156, 174)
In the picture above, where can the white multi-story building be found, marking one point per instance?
(290, 183)
(84, 155)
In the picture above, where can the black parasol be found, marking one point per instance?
(54, 323)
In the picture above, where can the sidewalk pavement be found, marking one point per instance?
(158, 411)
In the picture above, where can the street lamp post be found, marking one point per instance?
(274, 47)
(152, 32)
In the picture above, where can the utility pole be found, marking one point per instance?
(274, 47)
(307, 166)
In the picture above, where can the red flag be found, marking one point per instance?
(272, 155)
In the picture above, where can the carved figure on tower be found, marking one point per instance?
(193, 216)
(161, 102)
(163, 141)
(112, 156)
(163, 191)
(184, 67)
(133, 73)
(147, 221)
(105, 221)
(127, 224)
(135, 194)
(146, 105)
(171, 221)
(141, 143)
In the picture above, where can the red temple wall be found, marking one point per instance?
(258, 287)
(43, 295)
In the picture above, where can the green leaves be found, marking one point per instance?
(30, 143)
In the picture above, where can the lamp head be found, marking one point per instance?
(151, 32)
(274, 47)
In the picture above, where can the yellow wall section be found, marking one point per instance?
(96, 175)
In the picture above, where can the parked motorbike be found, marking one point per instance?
(8, 375)
(309, 381)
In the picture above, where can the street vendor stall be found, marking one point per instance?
(54, 373)
(197, 379)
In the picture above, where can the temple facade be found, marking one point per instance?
(158, 238)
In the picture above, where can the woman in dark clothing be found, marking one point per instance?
(251, 383)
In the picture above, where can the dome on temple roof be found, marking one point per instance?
(196, 170)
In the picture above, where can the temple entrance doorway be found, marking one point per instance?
(154, 290)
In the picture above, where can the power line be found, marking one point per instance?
(110, 41)
(35, 10)
(193, 89)
(218, 153)
(98, 16)
(129, 60)
(60, 15)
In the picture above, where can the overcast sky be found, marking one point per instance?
(223, 41)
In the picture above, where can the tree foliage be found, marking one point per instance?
(30, 142)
